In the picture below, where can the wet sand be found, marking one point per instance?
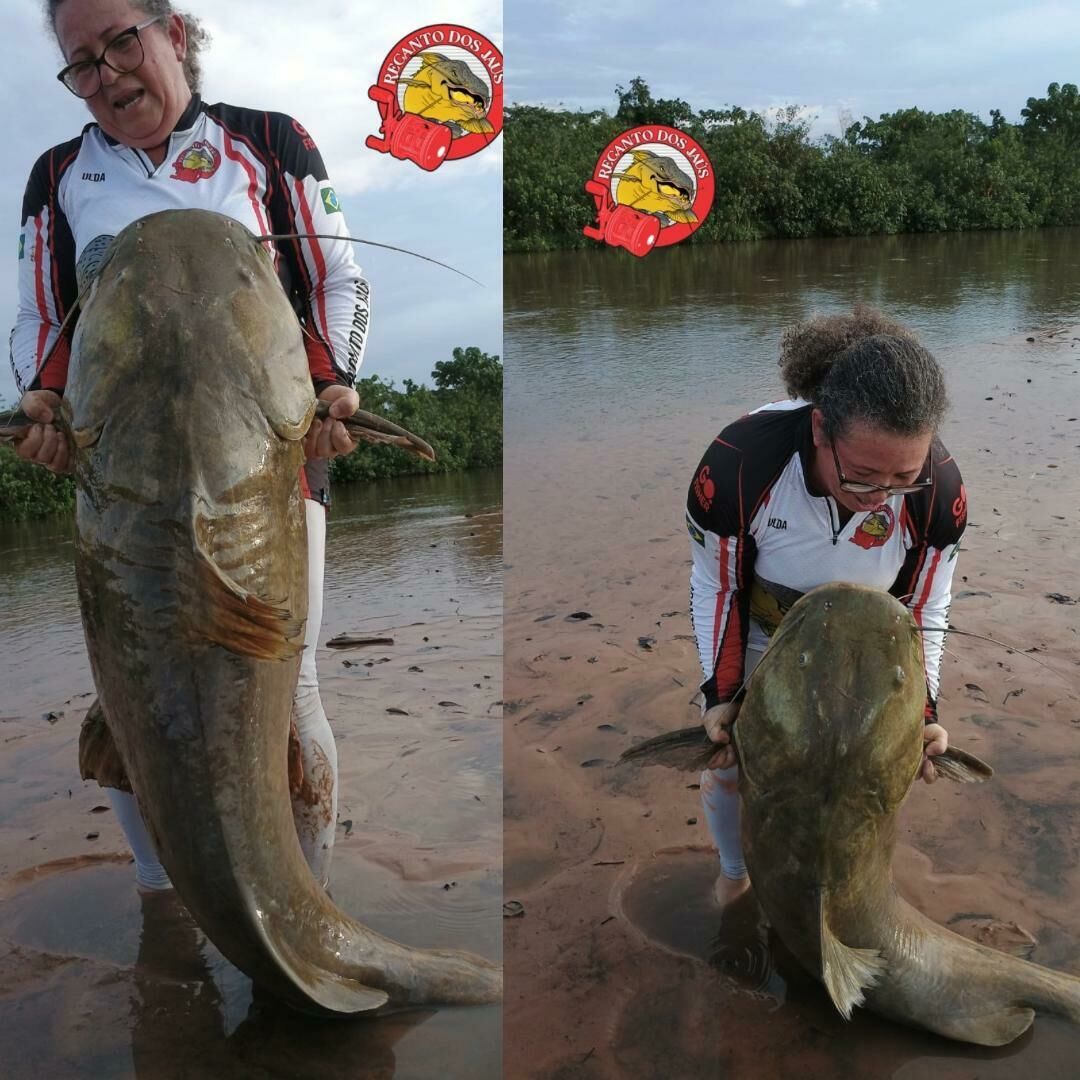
(97, 981)
(621, 964)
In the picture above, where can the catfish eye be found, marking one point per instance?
(900, 676)
(804, 659)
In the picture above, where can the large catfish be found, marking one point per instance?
(829, 742)
(187, 398)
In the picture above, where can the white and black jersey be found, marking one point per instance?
(260, 168)
(759, 540)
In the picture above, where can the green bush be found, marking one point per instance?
(908, 171)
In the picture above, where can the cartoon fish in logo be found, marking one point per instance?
(656, 185)
(448, 91)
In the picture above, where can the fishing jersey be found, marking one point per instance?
(260, 168)
(759, 540)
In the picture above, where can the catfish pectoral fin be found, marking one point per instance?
(962, 767)
(13, 426)
(688, 750)
(239, 621)
(366, 426)
(99, 759)
(846, 972)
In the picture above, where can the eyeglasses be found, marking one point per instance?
(857, 488)
(123, 54)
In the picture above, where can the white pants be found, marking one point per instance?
(720, 803)
(315, 809)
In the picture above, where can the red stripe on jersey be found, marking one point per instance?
(721, 596)
(39, 291)
(728, 648)
(316, 254)
(305, 490)
(54, 372)
(320, 363)
(58, 300)
(253, 181)
(917, 612)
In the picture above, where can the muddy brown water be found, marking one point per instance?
(620, 371)
(97, 981)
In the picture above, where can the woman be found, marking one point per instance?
(155, 145)
(847, 482)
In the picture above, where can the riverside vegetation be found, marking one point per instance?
(461, 417)
(908, 171)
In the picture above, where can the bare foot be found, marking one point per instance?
(727, 890)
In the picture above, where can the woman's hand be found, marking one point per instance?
(328, 438)
(718, 721)
(44, 443)
(936, 740)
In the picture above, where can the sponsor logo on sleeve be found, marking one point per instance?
(704, 488)
(695, 533)
(959, 508)
(22, 245)
(330, 201)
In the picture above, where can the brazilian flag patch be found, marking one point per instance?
(695, 532)
(330, 200)
(22, 245)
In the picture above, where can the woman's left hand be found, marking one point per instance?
(936, 741)
(328, 438)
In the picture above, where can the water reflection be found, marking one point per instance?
(587, 330)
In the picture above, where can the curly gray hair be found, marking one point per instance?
(864, 366)
(197, 36)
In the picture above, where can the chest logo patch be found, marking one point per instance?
(199, 161)
(875, 529)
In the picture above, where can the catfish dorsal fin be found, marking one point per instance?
(846, 972)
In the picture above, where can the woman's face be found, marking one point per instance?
(140, 108)
(867, 455)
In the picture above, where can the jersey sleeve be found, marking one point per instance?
(332, 294)
(928, 584)
(722, 554)
(46, 279)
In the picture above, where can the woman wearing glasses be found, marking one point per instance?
(155, 146)
(847, 482)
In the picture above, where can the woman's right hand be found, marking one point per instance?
(718, 721)
(44, 443)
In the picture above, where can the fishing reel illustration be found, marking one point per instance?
(621, 226)
(407, 136)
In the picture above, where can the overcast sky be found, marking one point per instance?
(314, 61)
(835, 57)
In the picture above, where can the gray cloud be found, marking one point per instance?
(864, 57)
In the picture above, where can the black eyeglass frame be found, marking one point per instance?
(131, 31)
(857, 487)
